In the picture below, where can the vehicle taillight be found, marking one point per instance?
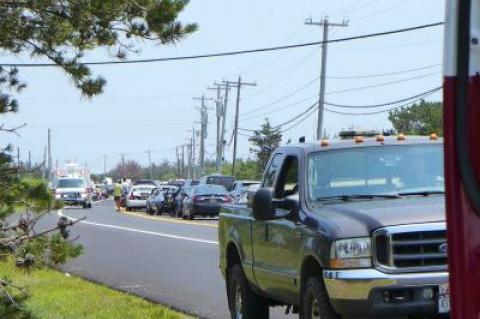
(198, 199)
(227, 199)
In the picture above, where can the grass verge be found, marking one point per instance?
(57, 296)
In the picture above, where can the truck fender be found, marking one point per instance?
(311, 265)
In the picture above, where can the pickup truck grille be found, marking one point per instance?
(411, 248)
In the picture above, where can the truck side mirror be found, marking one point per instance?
(262, 205)
(250, 196)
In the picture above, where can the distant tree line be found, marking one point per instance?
(423, 118)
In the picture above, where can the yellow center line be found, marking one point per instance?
(168, 220)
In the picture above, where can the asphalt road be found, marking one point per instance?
(173, 262)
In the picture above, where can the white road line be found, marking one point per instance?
(146, 232)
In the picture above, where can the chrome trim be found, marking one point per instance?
(357, 284)
(392, 230)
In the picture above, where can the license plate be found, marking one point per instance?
(444, 298)
(213, 200)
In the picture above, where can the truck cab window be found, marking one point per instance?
(271, 173)
(287, 184)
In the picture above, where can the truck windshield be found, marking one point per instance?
(386, 170)
(71, 183)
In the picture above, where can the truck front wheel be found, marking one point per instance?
(315, 301)
(242, 301)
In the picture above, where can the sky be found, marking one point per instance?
(151, 106)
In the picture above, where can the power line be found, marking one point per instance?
(417, 96)
(239, 52)
(360, 88)
(334, 92)
(301, 121)
(348, 78)
(376, 112)
(283, 107)
(272, 80)
(431, 66)
(303, 87)
(314, 106)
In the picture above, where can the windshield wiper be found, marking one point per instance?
(422, 193)
(347, 198)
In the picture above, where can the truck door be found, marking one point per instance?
(462, 153)
(277, 243)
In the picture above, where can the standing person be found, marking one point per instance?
(125, 186)
(117, 194)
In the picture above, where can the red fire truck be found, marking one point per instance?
(462, 154)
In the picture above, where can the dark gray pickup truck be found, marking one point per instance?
(352, 228)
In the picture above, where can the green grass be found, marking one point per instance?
(57, 296)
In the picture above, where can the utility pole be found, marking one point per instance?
(44, 170)
(189, 158)
(178, 161)
(203, 131)
(49, 146)
(122, 156)
(29, 160)
(194, 170)
(18, 163)
(183, 161)
(149, 152)
(325, 23)
(223, 129)
(105, 165)
(238, 85)
(222, 138)
(219, 112)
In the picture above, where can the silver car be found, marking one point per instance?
(138, 195)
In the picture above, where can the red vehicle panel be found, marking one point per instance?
(462, 155)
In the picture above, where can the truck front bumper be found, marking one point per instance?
(369, 292)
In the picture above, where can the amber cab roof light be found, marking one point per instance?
(359, 139)
(433, 137)
(380, 138)
(401, 137)
(324, 143)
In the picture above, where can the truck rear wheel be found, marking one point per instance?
(242, 301)
(315, 301)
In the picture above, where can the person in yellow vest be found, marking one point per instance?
(117, 194)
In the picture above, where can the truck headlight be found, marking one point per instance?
(351, 253)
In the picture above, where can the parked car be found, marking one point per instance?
(247, 195)
(138, 195)
(103, 190)
(151, 206)
(169, 194)
(144, 182)
(95, 196)
(216, 179)
(108, 182)
(180, 195)
(74, 191)
(239, 187)
(352, 228)
(204, 200)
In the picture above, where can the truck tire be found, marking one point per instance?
(315, 301)
(243, 303)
